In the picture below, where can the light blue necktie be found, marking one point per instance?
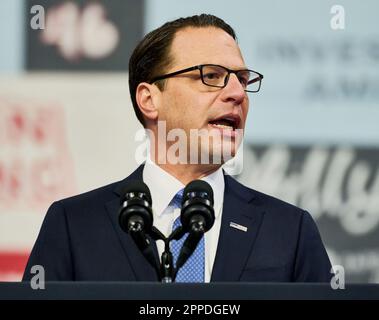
(193, 269)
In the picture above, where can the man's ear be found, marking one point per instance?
(147, 100)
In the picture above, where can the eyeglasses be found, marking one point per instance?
(214, 75)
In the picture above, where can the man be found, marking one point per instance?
(188, 74)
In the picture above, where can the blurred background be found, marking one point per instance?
(312, 138)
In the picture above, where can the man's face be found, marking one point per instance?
(187, 103)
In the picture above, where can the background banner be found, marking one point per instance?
(84, 35)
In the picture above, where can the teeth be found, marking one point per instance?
(222, 126)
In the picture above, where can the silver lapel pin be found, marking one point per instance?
(238, 226)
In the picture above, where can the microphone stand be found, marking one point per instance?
(166, 271)
(167, 264)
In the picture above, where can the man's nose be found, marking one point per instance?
(234, 90)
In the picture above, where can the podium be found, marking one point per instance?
(181, 291)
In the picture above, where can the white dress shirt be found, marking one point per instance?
(163, 188)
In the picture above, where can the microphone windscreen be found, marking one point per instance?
(198, 186)
(137, 186)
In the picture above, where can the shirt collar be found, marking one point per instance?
(163, 187)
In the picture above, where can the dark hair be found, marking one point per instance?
(151, 56)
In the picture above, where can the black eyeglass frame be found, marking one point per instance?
(200, 68)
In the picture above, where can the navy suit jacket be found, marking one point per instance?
(81, 240)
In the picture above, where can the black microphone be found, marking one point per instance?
(136, 217)
(197, 217)
(135, 213)
(197, 213)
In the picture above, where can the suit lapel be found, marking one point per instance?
(234, 245)
(141, 268)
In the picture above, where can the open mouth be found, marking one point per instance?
(229, 123)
